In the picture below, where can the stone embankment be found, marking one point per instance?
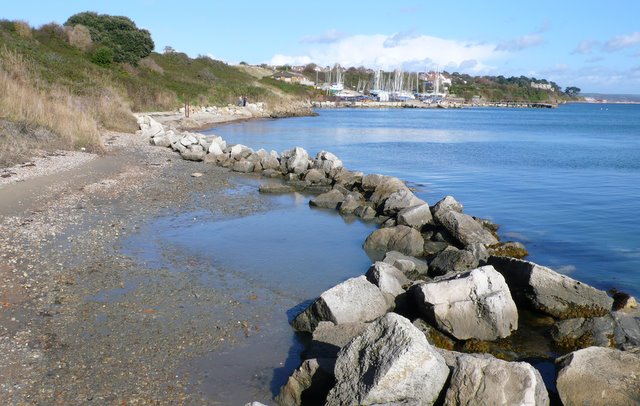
(442, 280)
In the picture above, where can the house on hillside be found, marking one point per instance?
(292, 77)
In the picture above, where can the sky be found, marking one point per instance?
(590, 44)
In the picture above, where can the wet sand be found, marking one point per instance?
(82, 321)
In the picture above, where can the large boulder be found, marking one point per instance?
(295, 160)
(317, 177)
(354, 300)
(415, 216)
(328, 200)
(347, 178)
(327, 162)
(465, 229)
(620, 329)
(599, 376)
(215, 150)
(270, 161)
(490, 381)
(390, 363)
(243, 166)
(475, 304)
(399, 200)
(329, 338)
(404, 239)
(452, 260)
(545, 290)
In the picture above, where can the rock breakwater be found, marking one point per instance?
(441, 281)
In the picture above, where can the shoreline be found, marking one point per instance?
(61, 307)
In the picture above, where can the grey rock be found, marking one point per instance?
(452, 260)
(490, 381)
(415, 216)
(271, 173)
(222, 144)
(354, 300)
(275, 188)
(385, 189)
(599, 376)
(388, 278)
(365, 212)
(347, 178)
(480, 252)
(351, 202)
(296, 160)
(545, 290)
(327, 162)
(315, 176)
(214, 149)
(317, 189)
(150, 127)
(313, 375)
(161, 141)
(465, 229)
(188, 139)
(400, 200)
(195, 153)
(243, 166)
(390, 363)
(412, 267)
(329, 338)
(328, 200)
(238, 151)
(371, 182)
(270, 162)
(475, 304)
(399, 238)
(619, 329)
(434, 247)
(448, 203)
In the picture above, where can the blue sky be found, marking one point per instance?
(590, 44)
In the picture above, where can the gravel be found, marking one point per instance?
(82, 322)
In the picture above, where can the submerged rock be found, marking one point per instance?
(599, 376)
(619, 329)
(475, 304)
(328, 200)
(390, 363)
(545, 290)
(354, 300)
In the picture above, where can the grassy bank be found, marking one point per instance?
(53, 81)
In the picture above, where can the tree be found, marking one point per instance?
(120, 34)
(572, 91)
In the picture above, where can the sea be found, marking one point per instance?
(565, 182)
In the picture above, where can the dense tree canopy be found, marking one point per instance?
(572, 91)
(120, 34)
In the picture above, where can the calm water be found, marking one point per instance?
(566, 181)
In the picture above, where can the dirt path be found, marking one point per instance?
(80, 321)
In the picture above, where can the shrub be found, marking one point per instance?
(103, 56)
(120, 34)
(22, 28)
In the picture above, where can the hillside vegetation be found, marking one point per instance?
(75, 79)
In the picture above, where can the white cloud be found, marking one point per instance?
(518, 44)
(390, 51)
(585, 47)
(327, 37)
(622, 41)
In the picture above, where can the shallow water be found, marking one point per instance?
(565, 181)
(274, 262)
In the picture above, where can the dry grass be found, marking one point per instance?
(54, 109)
(151, 64)
(79, 37)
